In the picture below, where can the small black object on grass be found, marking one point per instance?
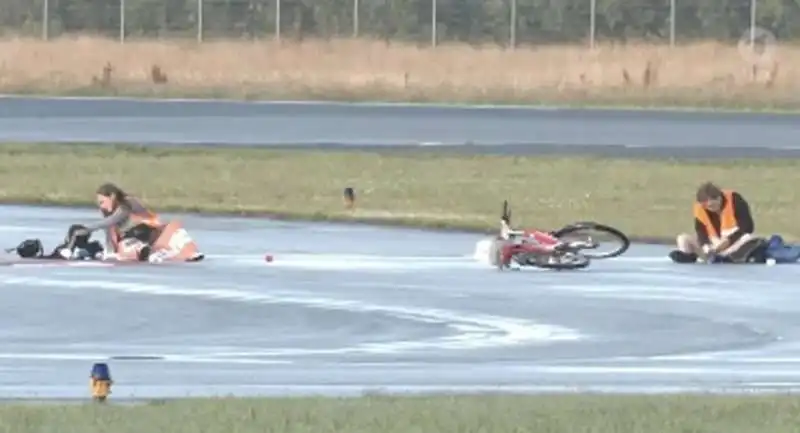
(349, 197)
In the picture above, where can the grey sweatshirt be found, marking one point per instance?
(119, 219)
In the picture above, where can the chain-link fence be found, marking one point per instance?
(501, 22)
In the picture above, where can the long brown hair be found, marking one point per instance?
(115, 193)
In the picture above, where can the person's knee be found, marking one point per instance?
(685, 253)
(685, 243)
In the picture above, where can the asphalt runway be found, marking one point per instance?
(347, 309)
(401, 127)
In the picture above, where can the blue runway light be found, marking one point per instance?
(100, 371)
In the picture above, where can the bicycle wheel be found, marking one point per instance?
(610, 241)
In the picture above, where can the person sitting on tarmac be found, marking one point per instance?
(129, 226)
(724, 230)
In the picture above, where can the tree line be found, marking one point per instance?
(469, 21)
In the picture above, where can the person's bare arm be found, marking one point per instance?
(118, 216)
(107, 224)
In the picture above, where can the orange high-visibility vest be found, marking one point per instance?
(727, 218)
(146, 217)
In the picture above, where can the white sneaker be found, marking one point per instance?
(107, 256)
(155, 257)
(80, 254)
(160, 256)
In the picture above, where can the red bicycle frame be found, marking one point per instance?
(533, 242)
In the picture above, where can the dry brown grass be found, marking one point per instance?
(699, 74)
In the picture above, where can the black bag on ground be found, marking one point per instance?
(33, 249)
(30, 248)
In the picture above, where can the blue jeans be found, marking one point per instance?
(781, 252)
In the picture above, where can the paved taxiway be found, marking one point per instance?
(346, 309)
(504, 130)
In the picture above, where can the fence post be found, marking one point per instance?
(277, 20)
(434, 19)
(753, 24)
(355, 18)
(672, 14)
(200, 20)
(121, 21)
(592, 18)
(513, 19)
(46, 20)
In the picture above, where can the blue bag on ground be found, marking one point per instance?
(780, 252)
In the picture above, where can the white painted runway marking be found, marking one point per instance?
(471, 330)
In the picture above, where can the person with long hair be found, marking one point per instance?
(127, 222)
(133, 233)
